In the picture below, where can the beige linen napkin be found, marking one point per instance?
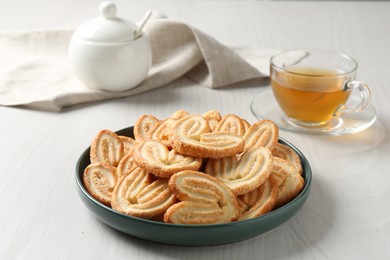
(35, 72)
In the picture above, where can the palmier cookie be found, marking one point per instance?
(138, 194)
(99, 180)
(290, 182)
(179, 114)
(244, 174)
(162, 131)
(107, 147)
(284, 152)
(126, 165)
(192, 136)
(231, 124)
(246, 124)
(212, 117)
(128, 144)
(262, 133)
(204, 200)
(154, 157)
(258, 201)
(143, 125)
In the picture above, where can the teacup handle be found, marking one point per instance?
(365, 94)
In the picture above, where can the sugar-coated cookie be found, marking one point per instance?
(242, 174)
(139, 194)
(290, 182)
(155, 157)
(212, 117)
(263, 133)
(162, 131)
(203, 200)
(192, 136)
(231, 124)
(179, 114)
(99, 180)
(143, 125)
(284, 152)
(125, 165)
(128, 144)
(258, 201)
(107, 147)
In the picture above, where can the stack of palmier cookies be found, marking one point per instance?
(194, 169)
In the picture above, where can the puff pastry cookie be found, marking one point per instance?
(212, 117)
(162, 131)
(126, 165)
(192, 136)
(143, 125)
(258, 201)
(128, 144)
(179, 114)
(107, 147)
(204, 200)
(290, 182)
(263, 133)
(154, 157)
(99, 180)
(138, 194)
(284, 152)
(244, 174)
(231, 124)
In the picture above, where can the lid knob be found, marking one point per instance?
(107, 10)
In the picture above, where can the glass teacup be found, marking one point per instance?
(312, 87)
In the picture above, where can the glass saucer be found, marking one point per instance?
(264, 106)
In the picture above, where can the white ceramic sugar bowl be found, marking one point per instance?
(110, 53)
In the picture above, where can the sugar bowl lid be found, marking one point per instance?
(108, 28)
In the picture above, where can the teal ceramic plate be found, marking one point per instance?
(192, 235)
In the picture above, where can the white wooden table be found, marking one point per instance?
(347, 215)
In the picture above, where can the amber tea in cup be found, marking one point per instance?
(312, 87)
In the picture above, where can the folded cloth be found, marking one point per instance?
(35, 71)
